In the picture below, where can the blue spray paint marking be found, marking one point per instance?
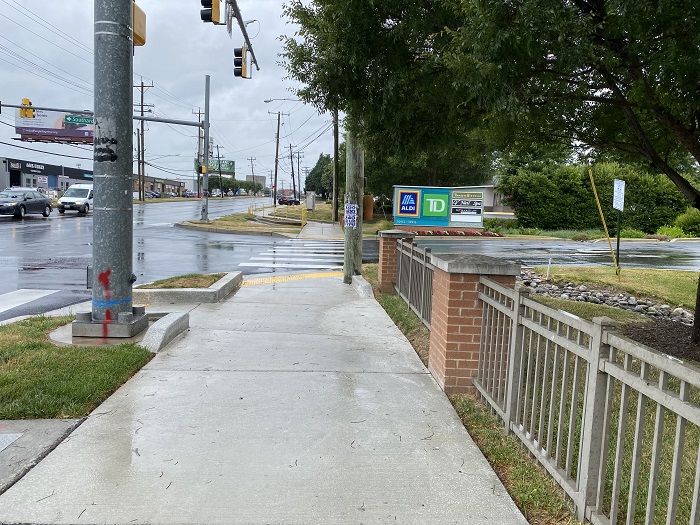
(102, 304)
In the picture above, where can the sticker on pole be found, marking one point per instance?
(619, 195)
(351, 215)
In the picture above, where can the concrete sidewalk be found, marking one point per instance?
(294, 401)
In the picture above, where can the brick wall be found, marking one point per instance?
(387, 258)
(455, 328)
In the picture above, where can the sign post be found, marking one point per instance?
(619, 205)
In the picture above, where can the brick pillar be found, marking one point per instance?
(387, 257)
(455, 320)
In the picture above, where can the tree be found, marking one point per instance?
(609, 75)
(314, 180)
(375, 62)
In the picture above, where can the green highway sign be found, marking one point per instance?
(78, 119)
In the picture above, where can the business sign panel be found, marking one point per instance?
(55, 126)
(433, 206)
(227, 166)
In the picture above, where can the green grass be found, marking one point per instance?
(677, 288)
(537, 495)
(41, 380)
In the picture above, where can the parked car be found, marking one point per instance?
(20, 201)
(78, 197)
(287, 200)
(188, 194)
(216, 193)
(172, 194)
(230, 193)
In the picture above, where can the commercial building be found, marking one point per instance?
(52, 178)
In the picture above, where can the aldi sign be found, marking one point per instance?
(408, 203)
(433, 206)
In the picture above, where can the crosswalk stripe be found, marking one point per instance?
(11, 300)
(289, 265)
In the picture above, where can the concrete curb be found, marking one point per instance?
(164, 330)
(215, 293)
(362, 287)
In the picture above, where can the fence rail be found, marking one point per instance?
(615, 423)
(414, 278)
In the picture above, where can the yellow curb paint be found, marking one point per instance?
(287, 278)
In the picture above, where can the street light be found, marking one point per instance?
(290, 99)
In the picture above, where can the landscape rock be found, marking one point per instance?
(581, 293)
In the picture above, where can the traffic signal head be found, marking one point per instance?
(26, 112)
(240, 67)
(211, 11)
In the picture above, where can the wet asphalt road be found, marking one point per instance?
(53, 253)
(677, 255)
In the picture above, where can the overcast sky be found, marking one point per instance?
(46, 56)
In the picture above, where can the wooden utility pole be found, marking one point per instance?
(335, 166)
(354, 193)
(299, 157)
(294, 186)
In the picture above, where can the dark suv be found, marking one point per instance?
(288, 201)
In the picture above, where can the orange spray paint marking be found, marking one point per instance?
(103, 279)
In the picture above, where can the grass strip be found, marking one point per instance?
(535, 493)
(190, 280)
(40, 380)
(539, 498)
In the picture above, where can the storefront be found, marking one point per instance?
(50, 178)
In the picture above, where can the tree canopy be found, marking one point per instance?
(455, 83)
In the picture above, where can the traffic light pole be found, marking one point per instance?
(112, 277)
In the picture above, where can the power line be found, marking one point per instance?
(34, 17)
(47, 152)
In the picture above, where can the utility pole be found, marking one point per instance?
(218, 161)
(252, 170)
(299, 156)
(336, 166)
(277, 158)
(354, 179)
(199, 114)
(291, 158)
(142, 145)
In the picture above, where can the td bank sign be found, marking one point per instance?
(436, 205)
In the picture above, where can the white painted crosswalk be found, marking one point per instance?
(20, 297)
(300, 254)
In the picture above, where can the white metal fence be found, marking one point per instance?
(615, 423)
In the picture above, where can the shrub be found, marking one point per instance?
(689, 222)
(580, 237)
(673, 232)
(631, 233)
(561, 196)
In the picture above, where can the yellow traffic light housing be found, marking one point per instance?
(26, 112)
(240, 66)
(139, 25)
(211, 12)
